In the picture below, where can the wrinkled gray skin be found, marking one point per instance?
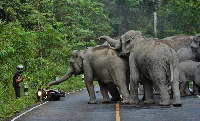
(182, 44)
(105, 64)
(189, 71)
(190, 53)
(179, 41)
(155, 60)
(78, 56)
(99, 63)
(186, 53)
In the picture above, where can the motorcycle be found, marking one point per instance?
(49, 94)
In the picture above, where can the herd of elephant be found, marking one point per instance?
(124, 62)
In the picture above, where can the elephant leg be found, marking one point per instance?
(134, 83)
(88, 79)
(164, 95)
(158, 77)
(104, 92)
(148, 88)
(195, 89)
(175, 87)
(187, 91)
(183, 88)
(119, 79)
(91, 92)
(156, 90)
(124, 92)
(114, 92)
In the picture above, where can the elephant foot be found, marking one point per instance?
(188, 93)
(125, 101)
(183, 95)
(177, 103)
(106, 101)
(92, 102)
(164, 103)
(116, 99)
(149, 102)
(133, 102)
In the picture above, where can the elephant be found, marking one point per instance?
(189, 71)
(157, 61)
(179, 41)
(103, 64)
(190, 53)
(182, 44)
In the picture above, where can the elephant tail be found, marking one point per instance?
(171, 72)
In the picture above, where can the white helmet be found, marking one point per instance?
(19, 67)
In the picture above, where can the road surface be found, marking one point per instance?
(74, 107)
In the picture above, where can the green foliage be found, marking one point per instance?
(179, 17)
(174, 17)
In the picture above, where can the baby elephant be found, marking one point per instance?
(189, 71)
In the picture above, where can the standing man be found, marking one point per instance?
(17, 79)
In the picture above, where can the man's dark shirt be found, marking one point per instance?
(16, 76)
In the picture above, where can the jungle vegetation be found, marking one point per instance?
(41, 35)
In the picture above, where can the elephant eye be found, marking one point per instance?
(128, 42)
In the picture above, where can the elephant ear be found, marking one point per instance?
(130, 39)
(80, 58)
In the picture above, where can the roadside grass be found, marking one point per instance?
(9, 105)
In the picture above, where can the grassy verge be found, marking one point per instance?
(10, 105)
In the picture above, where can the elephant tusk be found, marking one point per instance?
(111, 47)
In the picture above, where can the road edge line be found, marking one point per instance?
(117, 111)
(28, 111)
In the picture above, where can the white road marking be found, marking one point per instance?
(198, 96)
(29, 111)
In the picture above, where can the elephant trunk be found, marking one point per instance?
(116, 44)
(69, 73)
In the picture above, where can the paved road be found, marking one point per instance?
(74, 107)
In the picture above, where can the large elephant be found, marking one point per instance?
(155, 60)
(185, 46)
(99, 63)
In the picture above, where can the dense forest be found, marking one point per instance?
(41, 35)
